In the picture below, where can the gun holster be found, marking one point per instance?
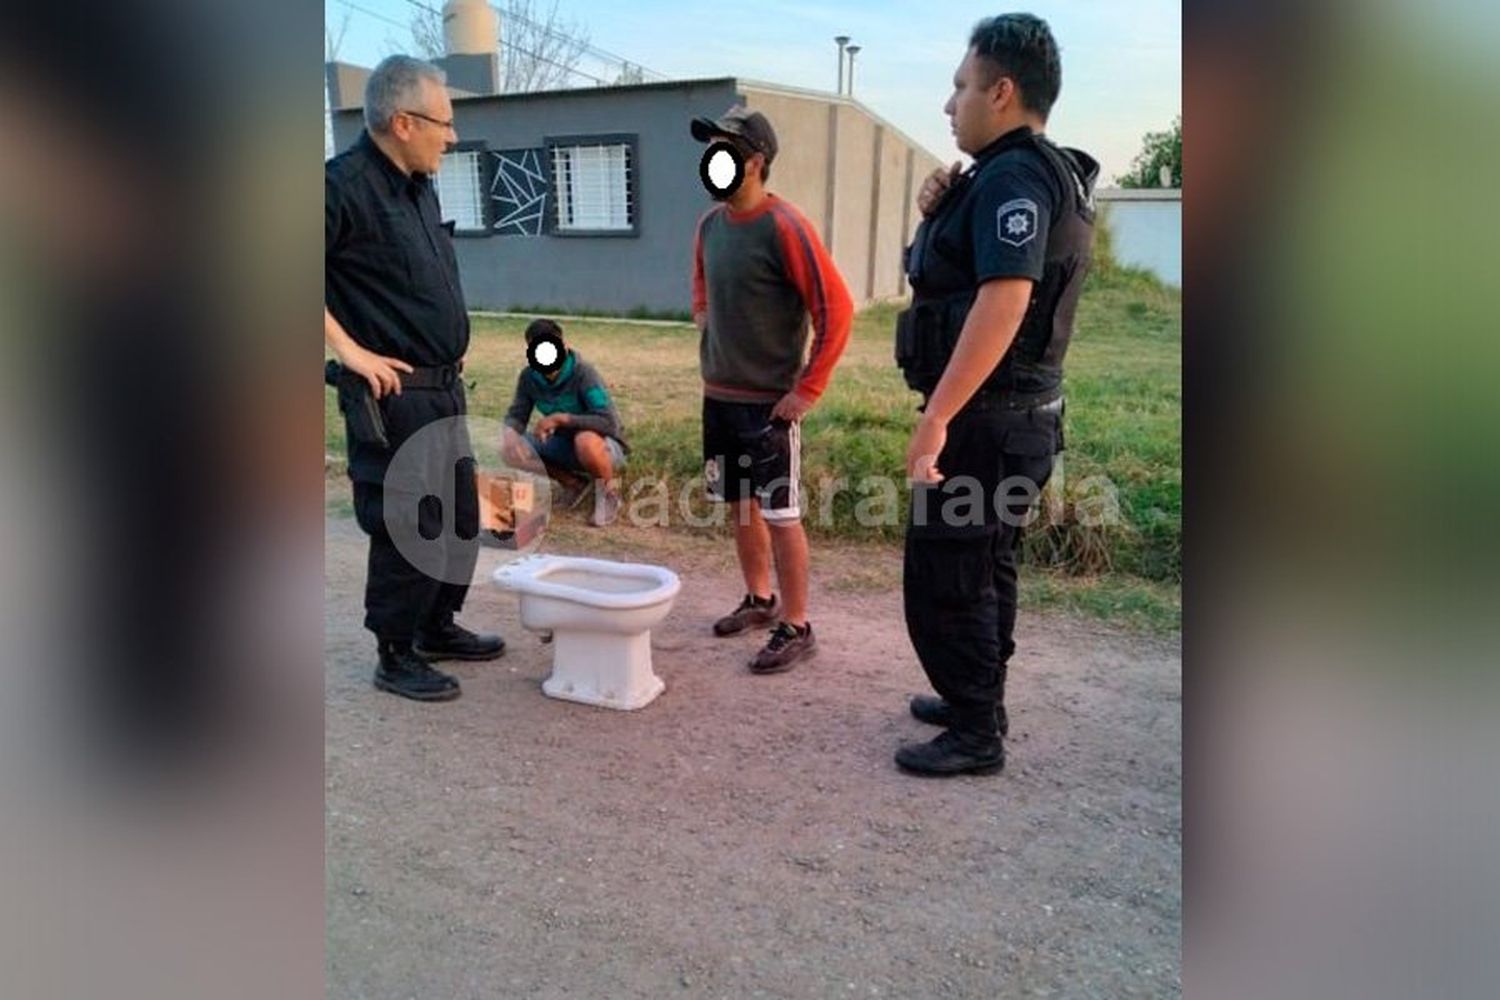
(358, 405)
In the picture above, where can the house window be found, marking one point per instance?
(593, 183)
(458, 189)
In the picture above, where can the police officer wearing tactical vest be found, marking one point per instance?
(996, 267)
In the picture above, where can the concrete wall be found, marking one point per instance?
(800, 173)
(651, 270)
(1147, 227)
(854, 180)
(894, 216)
(847, 170)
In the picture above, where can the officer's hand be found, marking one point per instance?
(791, 408)
(383, 373)
(927, 443)
(933, 188)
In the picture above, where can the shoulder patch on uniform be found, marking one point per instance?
(1016, 221)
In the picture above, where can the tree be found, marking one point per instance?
(1158, 149)
(333, 38)
(540, 54)
(537, 51)
(427, 34)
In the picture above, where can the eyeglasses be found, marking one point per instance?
(428, 118)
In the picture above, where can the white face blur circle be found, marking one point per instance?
(546, 354)
(721, 169)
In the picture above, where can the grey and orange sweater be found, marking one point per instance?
(758, 277)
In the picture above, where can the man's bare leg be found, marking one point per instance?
(593, 455)
(789, 542)
(752, 540)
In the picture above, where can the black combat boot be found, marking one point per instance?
(403, 672)
(952, 752)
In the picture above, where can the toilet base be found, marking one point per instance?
(609, 671)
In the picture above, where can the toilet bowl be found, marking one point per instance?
(600, 614)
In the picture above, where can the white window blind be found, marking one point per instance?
(592, 186)
(458, 190)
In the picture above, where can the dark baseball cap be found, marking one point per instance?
(750, 127)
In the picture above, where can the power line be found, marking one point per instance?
(587, 47)
(407, 27)
(593, 49)
(374, 14)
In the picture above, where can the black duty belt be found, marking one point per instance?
(984, 401)
(440, 377)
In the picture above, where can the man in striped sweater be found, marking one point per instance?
(759, 271)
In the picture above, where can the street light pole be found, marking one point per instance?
(851, 50)
(842, 40)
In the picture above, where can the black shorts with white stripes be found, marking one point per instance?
(747, 453)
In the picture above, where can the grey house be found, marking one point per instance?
(588, 199)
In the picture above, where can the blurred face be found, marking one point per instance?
(423, 130)
(977, 113)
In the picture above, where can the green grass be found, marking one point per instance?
(638, 312)
(1117, 598)
(1123, 424)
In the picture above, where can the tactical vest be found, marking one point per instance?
(941, 270)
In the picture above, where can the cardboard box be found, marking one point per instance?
(506, 515)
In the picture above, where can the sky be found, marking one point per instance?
(1122, 59)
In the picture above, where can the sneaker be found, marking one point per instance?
(951, 753)
(404, 673)
(752, 611)
(454, 642)
(788, 644)
(606, 506)
(937, 712)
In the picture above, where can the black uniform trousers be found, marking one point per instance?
(403, 599)
(959, 579)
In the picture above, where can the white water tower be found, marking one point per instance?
(470, 28)
(471, 45)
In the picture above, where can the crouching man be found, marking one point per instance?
(579, 438)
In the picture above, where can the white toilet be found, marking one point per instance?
(600, 614)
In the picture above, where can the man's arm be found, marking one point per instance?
(601, 417)
(383, 373)
(817, 280)
(521, 404)
(599, 413)
(987, 334)
(512, 446)
(700, 285)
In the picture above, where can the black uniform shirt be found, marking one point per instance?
(995, 224)
(390, 276)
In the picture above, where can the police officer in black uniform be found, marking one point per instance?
(996, 268)
(394, 316)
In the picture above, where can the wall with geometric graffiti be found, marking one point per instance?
(519, 192)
